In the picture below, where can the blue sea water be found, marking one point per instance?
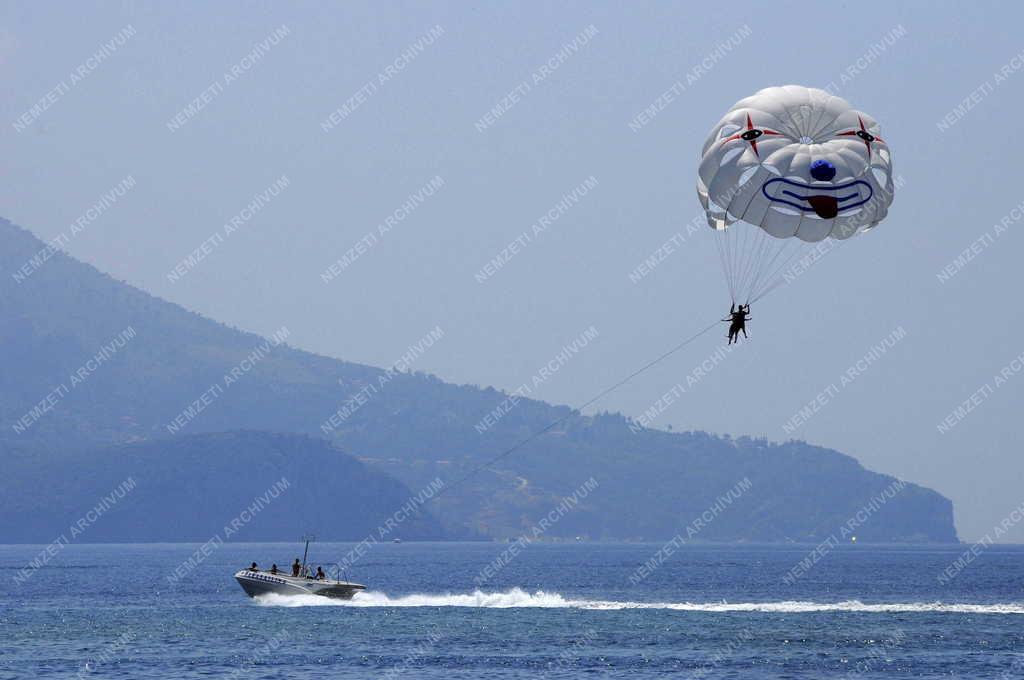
(553, 611)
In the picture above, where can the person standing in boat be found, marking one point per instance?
(296, 567)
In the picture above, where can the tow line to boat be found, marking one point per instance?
(578, 409)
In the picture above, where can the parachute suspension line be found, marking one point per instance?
(783, 245)
(778, 247)
(760, 248)
(779, 277)
(722, 239)
(738, 252)
(730, 242)
(720, 247)
(749, 249)
(578, 409)
(771, 279)
(739, 237)
(768, 290)
(775, 247)
(740, 255)
(752, 260)
(771, 286)
(747, 252)
(774, 282)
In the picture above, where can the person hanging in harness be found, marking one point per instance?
(738, 319)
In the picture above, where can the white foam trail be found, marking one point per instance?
(540, 599)
(513, 598)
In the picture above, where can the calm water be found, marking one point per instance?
(108, 611)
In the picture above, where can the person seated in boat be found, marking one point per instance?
(253, 567)
(320, 575)
(296, 567)
(273, 568)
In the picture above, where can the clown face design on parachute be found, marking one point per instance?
(796, 161)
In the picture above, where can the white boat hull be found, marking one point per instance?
(256, 583)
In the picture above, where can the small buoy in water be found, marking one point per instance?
(853, 539)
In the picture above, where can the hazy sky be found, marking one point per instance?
(910, 65)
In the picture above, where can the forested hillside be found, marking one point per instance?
(89, 362)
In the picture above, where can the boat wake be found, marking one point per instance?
(518, 598)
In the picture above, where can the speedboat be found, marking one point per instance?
(261, 582)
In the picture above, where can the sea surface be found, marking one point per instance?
(435, 610)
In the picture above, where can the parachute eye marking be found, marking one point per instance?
(751, 134)
(864, 135)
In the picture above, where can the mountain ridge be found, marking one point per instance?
(415, 428)
(238, 485)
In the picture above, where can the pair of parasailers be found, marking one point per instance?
(738, 319)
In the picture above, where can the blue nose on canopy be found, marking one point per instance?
(822, 170)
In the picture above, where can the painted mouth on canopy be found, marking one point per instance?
(826, 201)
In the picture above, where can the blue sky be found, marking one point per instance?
(910, 65)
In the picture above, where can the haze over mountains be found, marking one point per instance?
(100, 381)
(235, 485)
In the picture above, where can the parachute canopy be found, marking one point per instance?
(792, 165)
